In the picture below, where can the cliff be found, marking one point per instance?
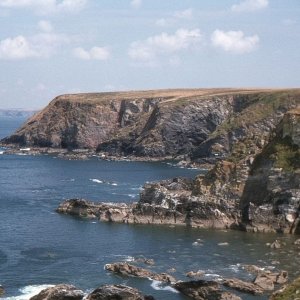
(275, 178)
(260, 192)
(196, 123)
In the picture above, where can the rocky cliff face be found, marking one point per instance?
(275, 178)
(200, 124)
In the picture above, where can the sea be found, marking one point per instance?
(40, 248)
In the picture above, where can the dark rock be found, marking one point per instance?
(114, 292)
(2, 290)
(124, 268)
(59, 292)
(204, 290)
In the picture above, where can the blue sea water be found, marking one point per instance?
(39, 247)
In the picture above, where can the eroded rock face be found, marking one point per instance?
(60, 292)
(124, 268)
(204, 290)
(275, 178)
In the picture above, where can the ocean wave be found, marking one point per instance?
(159, 286)
(103, 181)
(29, 291)
(96, 180)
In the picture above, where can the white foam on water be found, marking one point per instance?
(159, 286)
(1, 152)
(127, 258)
(235, 268)
(132, 195)
(29, 291)
(96, 180)
(113, 183)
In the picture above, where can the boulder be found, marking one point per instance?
(114, 292)
(204, 290)
(297, 242)
(60, 292)
(126, 269)
(276, 244)
(264, 281)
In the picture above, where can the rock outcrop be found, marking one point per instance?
(113, 292)
(105, 292)
(275, 178)
(126, 269)
(204, 290)
(60, 292)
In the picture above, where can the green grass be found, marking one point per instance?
(261, 106)
(292, 292)
(282, 153)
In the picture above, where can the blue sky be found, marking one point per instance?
(51, 47)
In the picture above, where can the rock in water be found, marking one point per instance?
(117, 292)
(243, 286)
(124, 268)
(2, 291)
(60, 292)
(204, 290)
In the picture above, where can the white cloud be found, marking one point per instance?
(46, 6)
(136, 3)
(16, 48)
(175, 17)
(45, 26)
(184, 14)
(40, 45)
(234, 41)
(250, 5)
(96, 53)
(164, 44)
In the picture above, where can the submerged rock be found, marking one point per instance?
(124, 268)
(204, 290)
(60, 292)
(114, 292)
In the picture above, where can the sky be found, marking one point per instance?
(54, 47)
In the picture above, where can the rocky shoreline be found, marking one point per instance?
(264, 282)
